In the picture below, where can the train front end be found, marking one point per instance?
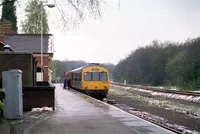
(95, 81)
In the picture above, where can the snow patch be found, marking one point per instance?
(42, 109)
(167, 95)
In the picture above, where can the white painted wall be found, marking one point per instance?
(40, 76)
(50, 77)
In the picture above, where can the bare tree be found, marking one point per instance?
(74, 12)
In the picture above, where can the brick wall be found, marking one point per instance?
(1, 47)
(23, 62)
(45, 97)
(45, 64)
(5, 28)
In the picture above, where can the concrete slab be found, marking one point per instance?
(79, 114)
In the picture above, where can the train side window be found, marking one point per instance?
(74, 76)
(80, 77)
(77, 77)
(87, 76)
(103, 76)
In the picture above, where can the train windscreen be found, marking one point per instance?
(87, 76)
(103, 76)
(95, 76)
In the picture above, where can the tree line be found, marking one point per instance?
(162, 63)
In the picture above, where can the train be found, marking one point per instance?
(92, 79)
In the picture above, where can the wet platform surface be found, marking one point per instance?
(79, 114)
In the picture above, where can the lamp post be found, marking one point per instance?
(41, 23)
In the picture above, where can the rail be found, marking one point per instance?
(164, 90)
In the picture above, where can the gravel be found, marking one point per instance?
(175, 113)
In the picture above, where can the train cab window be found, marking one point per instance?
(95, 76)
(87, 76)
(103, 76)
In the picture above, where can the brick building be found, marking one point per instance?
(31, 43)
(17, 60)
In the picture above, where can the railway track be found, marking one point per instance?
(149, 120)
(167, 126)
(163, 90)
(162, 124)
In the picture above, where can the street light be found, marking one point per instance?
(50, 6)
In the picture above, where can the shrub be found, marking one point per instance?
(1, 111)
(2, 96)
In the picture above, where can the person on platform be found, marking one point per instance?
(68, 81)
(65, 81)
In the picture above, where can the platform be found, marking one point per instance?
(77, 113)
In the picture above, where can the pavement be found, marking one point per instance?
(5, 128)
(77, 113)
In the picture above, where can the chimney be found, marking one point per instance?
(5, 28)
(7, 48)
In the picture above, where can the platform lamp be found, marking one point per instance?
(41, 23)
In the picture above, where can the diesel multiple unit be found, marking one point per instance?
(92, 79)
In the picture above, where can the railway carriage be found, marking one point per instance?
(92, 79)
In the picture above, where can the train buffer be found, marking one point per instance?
(77, 113)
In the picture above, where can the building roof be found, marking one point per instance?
(1, 43)
(28, 42)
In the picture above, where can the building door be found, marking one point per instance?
(39, 74)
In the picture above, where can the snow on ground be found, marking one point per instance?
(170, 88)
(167, 95)
(42, 109)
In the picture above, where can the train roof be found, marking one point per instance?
(89, 64)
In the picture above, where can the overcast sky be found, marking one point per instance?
(137, 23)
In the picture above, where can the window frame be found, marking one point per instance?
(106, 74)
(91, 76)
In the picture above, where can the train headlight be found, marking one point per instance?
(86, 87)
(105, 87)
